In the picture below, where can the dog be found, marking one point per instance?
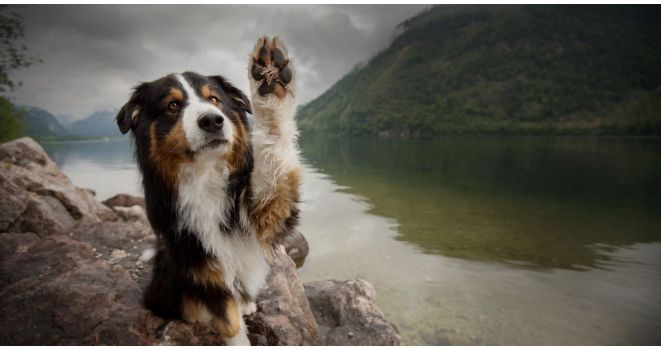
(220, 189)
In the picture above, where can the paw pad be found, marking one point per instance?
(270, 67)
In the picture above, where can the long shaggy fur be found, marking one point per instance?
(219, 190)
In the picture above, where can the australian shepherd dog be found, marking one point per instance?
(220, 187)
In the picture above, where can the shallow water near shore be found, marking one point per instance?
(472, 240)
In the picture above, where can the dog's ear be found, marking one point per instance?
(237, 96)
(129, 113)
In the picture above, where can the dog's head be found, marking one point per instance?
(183, 117)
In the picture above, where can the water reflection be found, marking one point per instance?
(439, 300)
(576, 203)
(107, 167)
(538, 202)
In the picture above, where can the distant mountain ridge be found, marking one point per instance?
(504, 69)
(99, 123)
(39, 123)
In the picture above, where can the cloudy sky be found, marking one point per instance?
(94, 54)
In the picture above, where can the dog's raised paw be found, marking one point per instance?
(270, 67)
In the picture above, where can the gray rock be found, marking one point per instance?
(296, 247)
(124, 200)
(57, 293)
(133, 213)
(13, 199)
(27, 153)
(11, 243)
(283, 314)
(347, 313)
(26, 165)
(43, 215)
(133, 238)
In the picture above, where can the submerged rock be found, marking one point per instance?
(347, 313)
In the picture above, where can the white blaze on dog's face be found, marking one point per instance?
(206, 127)
(184, 118)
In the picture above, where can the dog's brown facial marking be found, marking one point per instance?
(240, 149)
(207, 93)
(175, 95)
(177, 117)
(168, 152)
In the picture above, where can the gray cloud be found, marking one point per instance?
(94, 54)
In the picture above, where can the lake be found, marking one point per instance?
(518, 240)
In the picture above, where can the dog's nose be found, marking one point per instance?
(210, 122)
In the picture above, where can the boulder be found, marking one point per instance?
(124, 200)
(59, 290)
(55, 292)
(296, 247)
(283, 314)
(11, 243)
(44, 215)
(25, 164)
(347, 314)
(121, 244)
(13, 199)
(27, 153)
(133, 213)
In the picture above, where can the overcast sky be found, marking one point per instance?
(94, 54)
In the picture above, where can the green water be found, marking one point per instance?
(472, 240)
(537, 202)
(508, 240)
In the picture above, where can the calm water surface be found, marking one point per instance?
(473, 240)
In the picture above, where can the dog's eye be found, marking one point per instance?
(214, 100)
(174, 106)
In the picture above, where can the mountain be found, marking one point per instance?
(100, 123)
(504, 69)
(39, 123)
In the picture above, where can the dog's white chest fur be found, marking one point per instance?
(203, 207)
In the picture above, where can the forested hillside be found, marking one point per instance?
(40, 123)
(505, 69)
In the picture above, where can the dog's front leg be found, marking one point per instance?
(277, 173)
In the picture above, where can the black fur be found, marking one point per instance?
(180, 251)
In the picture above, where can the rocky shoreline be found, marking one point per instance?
(72, 273)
